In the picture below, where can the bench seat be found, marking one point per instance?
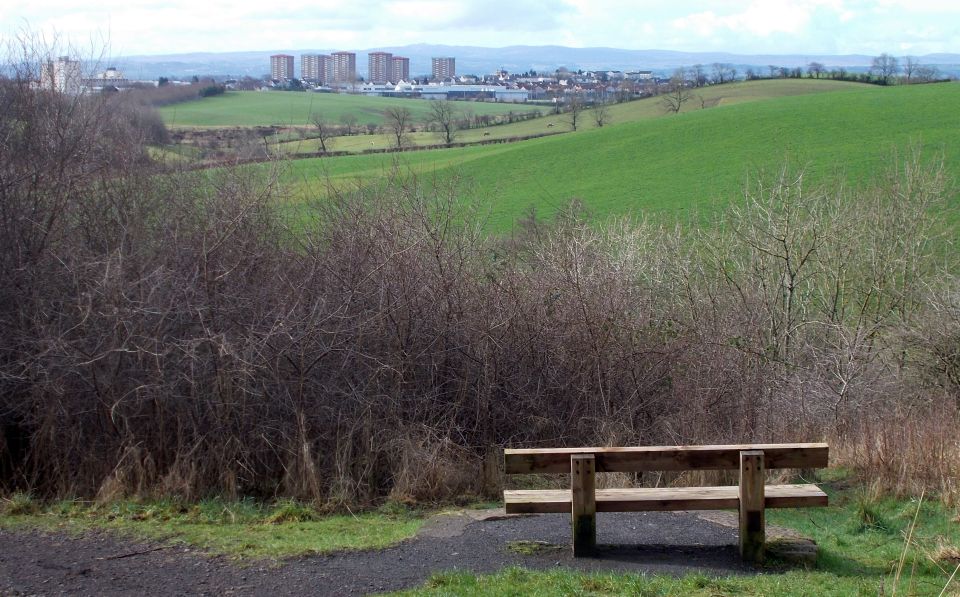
(545, 501)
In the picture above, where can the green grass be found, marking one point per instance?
(857, 557)
(244, 529)
(647, 109)
(255, 108)
(686, 165)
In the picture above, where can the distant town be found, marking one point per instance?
(388, 75)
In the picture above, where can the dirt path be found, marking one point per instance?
(34, 563)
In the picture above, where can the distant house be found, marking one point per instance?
(639, 75)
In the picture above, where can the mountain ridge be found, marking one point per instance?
(516, 58)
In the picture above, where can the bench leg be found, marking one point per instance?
(584, 505)
(752, 525)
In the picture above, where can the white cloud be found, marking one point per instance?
(760, 18)
(772, 26)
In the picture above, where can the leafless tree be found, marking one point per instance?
(699, 75)
(885, 67)
(325, 131)
(574, 106)
(443, 115)
(677, 94)
(915, 72)
(398, 121)
(926, 74)
(815, 69)
(601, 113)
(624, 92)
(723, 72)
(349, 120)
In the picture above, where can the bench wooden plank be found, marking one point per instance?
(544, 501)
(665, 458)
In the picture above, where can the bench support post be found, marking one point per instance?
(752, 524)
(583, 502)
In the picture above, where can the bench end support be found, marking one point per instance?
(583, 504)
(753, 534)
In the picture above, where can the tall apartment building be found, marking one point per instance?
(327, 68)
(314, 68)
(344, 67)
(281, 67)
(380, 66)
(443, 68)
(399, 69)
(63, 75)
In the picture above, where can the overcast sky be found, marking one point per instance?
(763, 26)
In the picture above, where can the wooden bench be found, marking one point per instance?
(583, 500)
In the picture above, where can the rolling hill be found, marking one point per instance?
(645, 109)
(685, 164)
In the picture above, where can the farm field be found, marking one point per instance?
(255, 108)
(645, 109)
(682, 166)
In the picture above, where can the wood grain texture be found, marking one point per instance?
(665, 458)
(583, 504)
(753, 534)
(544, 501)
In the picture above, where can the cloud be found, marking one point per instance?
(773, 26)
(760, 18)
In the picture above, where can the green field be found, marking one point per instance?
(256, 108)
(685, 164)
(646, 109)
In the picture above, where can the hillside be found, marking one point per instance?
(719, 95)
(684, 163)
(254, 108)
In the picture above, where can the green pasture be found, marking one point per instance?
(288, 108)
(645, 109)
(684, 165)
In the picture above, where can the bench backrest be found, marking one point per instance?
(664, 458)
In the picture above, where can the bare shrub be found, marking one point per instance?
(174, 334)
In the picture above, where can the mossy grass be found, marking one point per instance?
(240, 528)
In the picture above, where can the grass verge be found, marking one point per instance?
(862, 538)
(244, 529)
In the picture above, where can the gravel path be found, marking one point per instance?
(35, 563)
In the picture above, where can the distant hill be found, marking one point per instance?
(478, 60)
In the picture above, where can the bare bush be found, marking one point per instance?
(171, 334)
